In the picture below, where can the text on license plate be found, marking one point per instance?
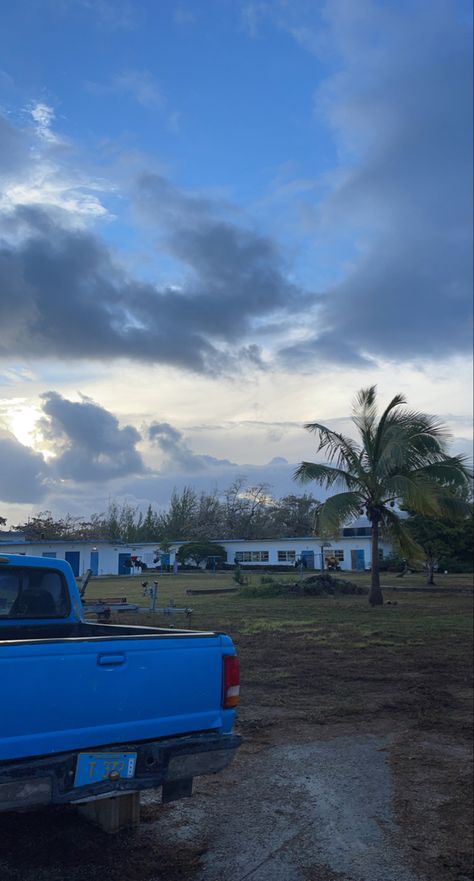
(96, 767)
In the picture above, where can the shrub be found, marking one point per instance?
(238, 576)
(314, 585)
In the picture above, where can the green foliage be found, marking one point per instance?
(446, 542)
(399, 461)
(392, 563)
(198, 551)
(238, 576)
(314, 585)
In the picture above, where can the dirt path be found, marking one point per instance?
(298, 811)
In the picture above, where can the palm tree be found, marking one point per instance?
(399, 461)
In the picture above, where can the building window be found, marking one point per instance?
(336, 555)
(286, 556)
(251, 557)
(349, 531)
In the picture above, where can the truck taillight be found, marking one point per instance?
(231, 681)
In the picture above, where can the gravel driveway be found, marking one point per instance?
(296, 812)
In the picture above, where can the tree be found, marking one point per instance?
(179, 520)
(399, 461)
(294, 516)
(442, 540)
(247, 510)
(199, 551)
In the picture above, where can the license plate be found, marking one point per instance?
(97, 767)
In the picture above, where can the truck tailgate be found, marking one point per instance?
(70, 694)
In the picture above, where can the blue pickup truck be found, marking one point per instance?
(91, 710)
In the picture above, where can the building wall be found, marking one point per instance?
(108, 554)
(274, 552)
(257, 553)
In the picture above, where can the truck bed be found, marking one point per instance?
(89, 630)
(79, 685)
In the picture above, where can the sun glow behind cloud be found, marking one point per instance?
(22, 420)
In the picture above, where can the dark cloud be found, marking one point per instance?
(89, 443)
(328, 347)
(400, 109)
(73, 302)
(23, 473)
(178, 454)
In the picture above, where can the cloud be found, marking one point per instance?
(73, 301)
(44, 116)
(178, 454)
(327, 348)
(88, 441)
(399, 107)
(24, 475)
(140, 85)
(36, 169)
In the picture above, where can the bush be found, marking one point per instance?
(238, 576)
(392, 563)
(454, 568)
(314, 585)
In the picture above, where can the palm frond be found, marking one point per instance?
(339, 449)
(326, 475)
(449, 471)
(415, 492)
(392, 527)
(337, 510)
(410, 440)
(365, 398)
(364, 416)
(396, 402)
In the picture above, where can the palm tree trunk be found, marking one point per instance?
(375, 596)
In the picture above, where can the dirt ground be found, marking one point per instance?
(356, 763)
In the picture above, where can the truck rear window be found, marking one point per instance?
(33, 593)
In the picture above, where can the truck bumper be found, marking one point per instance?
(171, 763)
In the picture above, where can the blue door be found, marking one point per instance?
(73, 558)
(122, 569)
(308, 558)
(94, 564)
(358, 560)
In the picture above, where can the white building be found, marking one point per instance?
(352, 550)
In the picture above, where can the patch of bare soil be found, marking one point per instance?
(53, 845)
(295, 688)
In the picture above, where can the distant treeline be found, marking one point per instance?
(241, 511)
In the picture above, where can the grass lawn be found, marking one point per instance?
(405, 618)
(331, 653)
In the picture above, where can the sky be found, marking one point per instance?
(218, 221)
